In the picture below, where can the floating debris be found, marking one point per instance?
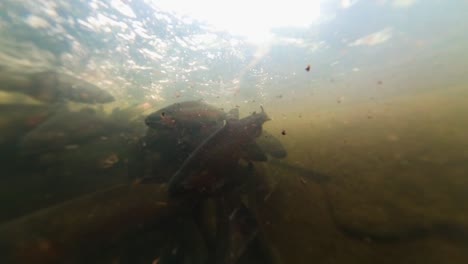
(307, 68)
(70, 147)
(109, 161)
(283, 132)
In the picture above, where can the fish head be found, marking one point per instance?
(185, 115)
(161, 119)
(253, 124)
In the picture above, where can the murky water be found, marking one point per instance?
(368, 98)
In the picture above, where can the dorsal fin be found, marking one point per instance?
(233, 113)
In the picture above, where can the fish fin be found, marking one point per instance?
(233, 113)
(254, 153)
(271, 145)
(243, 230)
(267, 118)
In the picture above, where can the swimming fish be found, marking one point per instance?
(51, 87)
(186, 115)
(191, 122)
(211, 164)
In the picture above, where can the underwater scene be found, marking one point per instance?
(212, 132)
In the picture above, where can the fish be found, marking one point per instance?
(231, 230)
(271, 145)
(191, 122)
(210, 165)
(64, 86)
(186, 115)
(183, 126)
(67, 128)
(51, 87)
(242, 230)
(108, 217)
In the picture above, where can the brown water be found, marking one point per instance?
(376, 132)
(397, 171)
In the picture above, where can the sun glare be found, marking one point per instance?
(250, 19)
